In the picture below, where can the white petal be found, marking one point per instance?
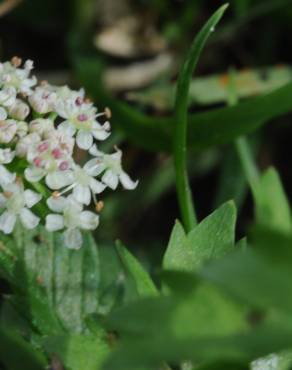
(95, 152)
(96, 186)
(73, 239)
(31, 198)
(84, 140)
(7, 222)
(88, 220)
(3, 114)
(59, 179)
(6, 177)
(54, 222)
(101, 132)
(34, 174)
(127, 182)
(82, 194)
(6, 156)
(57, 204)
(3, 200)
(28, 219)
(110, 179)
(67, 128)
(117, 156)
(77, 207)
(94, 167)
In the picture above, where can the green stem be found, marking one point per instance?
(247, 161)
(40, 189)
(241, 144)
(182, 182)
(181, 120)
(52, 116)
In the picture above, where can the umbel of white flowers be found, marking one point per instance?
(40, 127)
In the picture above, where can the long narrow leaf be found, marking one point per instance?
(214, 127)
(181, 117)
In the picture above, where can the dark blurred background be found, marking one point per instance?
(136, 47)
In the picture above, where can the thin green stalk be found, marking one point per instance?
(247, 161)
(241, 144)
(184, 194)
(181, 114)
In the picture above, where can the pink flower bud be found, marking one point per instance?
(37, 162)
(43, 147)
(82, 117)
(57, 153)
(79, 101)
(63, 166)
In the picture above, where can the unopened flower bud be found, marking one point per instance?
(19, 110)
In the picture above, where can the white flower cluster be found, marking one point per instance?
(40, 128)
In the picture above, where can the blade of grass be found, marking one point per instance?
(181, 115)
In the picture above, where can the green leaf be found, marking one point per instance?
(189, 65)
(78, 351)
(259, 276)
(217, 126)
(240, 348)
(232, 183)
(214, 127)
(177, 252)
(142, 280)
(29, 298)
(179, 282)
(181, 116)
(76, 280)
(212, 89)
(204, 327)
(271, 203)
(204, 313)
(54, 286)
(211, 239)
(17, 354)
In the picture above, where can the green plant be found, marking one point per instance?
(215, 301)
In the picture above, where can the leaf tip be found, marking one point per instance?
(224, 7)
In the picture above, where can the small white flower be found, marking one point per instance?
(6, 177)
(50, 159)
(6, 156)
(43, 127)
(22, 129)
(25, 143)
(110, 164)
(8, 130)
(18, 78)
(19, 110)
(81, 117)
(43, 99)
(73, 219)
(7, 96)
(84, 184)
(65, 93)
(3, 114)
(17, 202)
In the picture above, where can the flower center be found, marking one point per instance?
(71, 217)
(82, 117)
(15, 202)
(81, 177)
